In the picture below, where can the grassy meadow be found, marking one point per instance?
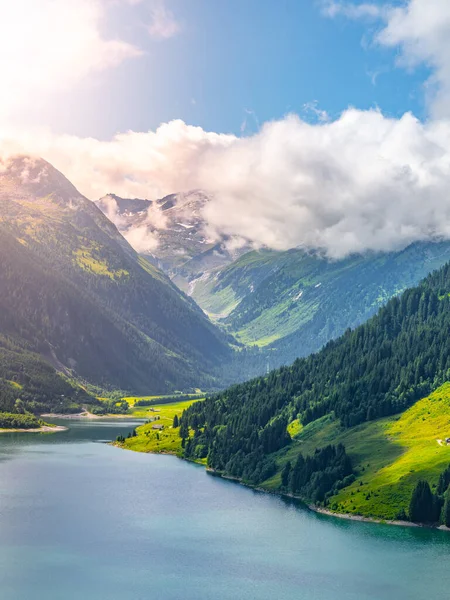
(165, 441)
(389, 455)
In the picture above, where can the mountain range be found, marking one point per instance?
(172, 232)
(285, 304)
(75, 294)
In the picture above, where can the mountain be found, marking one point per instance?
(323, 427)
(286, 304)
(292, 303)
(173, 233)
(74, 293)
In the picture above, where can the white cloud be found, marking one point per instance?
(143, 239)
(49, 46)
(421, 30)
(163, 23)
(360, 182)
(313, 108)
(352, 11)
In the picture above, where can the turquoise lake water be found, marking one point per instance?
(83, 520)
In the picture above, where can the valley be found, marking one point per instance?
(96, 325)
(224, 300)
(281, 305)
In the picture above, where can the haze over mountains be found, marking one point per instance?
(174, 233)
(75, 293)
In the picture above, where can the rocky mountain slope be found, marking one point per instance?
(173, 234)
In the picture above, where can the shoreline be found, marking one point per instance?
(43, 429)
(325, 511)
(316, 509)
(90, 416)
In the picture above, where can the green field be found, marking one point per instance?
(165, 441)
(389, 455)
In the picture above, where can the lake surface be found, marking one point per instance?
(83, 520)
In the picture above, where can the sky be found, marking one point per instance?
(321, 124)
(225, 65)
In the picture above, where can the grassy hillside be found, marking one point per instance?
(389, 455)
(75, 293)
(292, 303)
(163, 441)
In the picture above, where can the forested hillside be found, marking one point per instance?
(73, 292)
(379, 369)
(27, 381)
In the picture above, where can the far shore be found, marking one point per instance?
(43, 429)
(87, 415)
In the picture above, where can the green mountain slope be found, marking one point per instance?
(390, 455)
(292, 303)
(75, 292)
(27, 381)
(380, 369)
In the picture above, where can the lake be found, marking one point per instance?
(80, 519)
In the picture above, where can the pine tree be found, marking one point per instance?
(421, 507)
(285, 474)
(184, 430)
(445, 517)
(175, 422)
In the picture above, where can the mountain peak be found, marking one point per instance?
(35, 177)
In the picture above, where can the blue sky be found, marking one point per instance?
(236, 63)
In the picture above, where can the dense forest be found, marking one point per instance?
(19, 421)
(378, 369)
(28, 382)
(316, 477)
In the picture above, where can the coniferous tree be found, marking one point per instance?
(422, 505)
(285, 474)
(444, 482)
(184, 429)
(175, 422)
(445, 517)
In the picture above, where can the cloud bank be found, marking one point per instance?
(361, 182)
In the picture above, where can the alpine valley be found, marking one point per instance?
(356, 425)
(286, 304)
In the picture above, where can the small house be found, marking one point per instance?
(158, 426)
